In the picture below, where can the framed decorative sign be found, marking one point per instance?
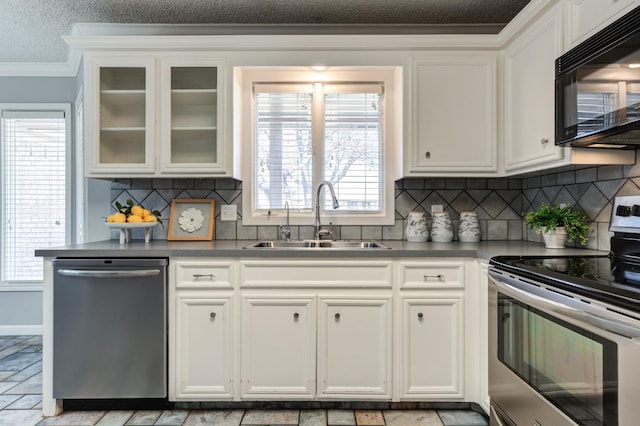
(191, 220)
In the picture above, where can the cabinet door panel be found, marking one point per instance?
(204, 347)
(278, 348)
(530, 96)
(454, 114)
(355, 348)
(586, 17)
(120, 120)
(432, 347)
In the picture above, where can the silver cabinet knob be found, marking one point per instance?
(212, 315)
(544, 141)
(337, 316)
(296, 316)
(427, 154)
(420, 316)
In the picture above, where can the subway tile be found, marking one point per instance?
(610, 172)
(455, 183)
(371, 232)
(351, 232)
(548, 180)
(434, 184)
(141, 183)
(267, 232)
(515, 184)
(393, 232)
(497, 230)
(586, 175)
(205, 183)
(533, 182)
(250, 232)
(227, 183)
(162, 183)
(183, 183)
(476, 183)
(566, 178)
(225, 230)
(412, 184)
(497, 183)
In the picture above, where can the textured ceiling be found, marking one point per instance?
(31, 30)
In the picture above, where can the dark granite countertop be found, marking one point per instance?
(234, 248)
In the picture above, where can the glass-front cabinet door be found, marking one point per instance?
(192, 116)
(120, 128)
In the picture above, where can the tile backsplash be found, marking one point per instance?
(499, 202)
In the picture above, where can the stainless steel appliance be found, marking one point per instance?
(109, 328)
(564, 333)
(598, 88)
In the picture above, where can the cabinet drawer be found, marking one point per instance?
(315, 273)
(203, 274)
(413, 275)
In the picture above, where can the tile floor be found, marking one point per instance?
(21, 399)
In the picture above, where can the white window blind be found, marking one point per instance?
(353, 145)
(33, 190)
(342, 122)
(283, 159)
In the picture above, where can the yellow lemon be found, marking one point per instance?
(134, 218)
(144, 213)
(119, 217)
(137, 211)
(149, 218)
(110, 218)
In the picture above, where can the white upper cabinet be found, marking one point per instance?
(120, 118)
(529, 95)
(586, 17)
(453, 114)
(191, 131)
(156, 115)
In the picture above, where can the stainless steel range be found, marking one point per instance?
(564, 333)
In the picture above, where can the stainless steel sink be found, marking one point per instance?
(317, 244)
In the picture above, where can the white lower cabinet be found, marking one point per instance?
(278, 348)
(383, 329)
(431, 329)
(354, 350)
(203, 363)
(432, 347)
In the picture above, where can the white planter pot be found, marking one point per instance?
(555, 239)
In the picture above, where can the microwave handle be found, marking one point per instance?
(600, 321)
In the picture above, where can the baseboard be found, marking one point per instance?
(20, 330)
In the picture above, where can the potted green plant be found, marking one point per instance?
(558, 223)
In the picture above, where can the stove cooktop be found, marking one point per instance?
(615, 282)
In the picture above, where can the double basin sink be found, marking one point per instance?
(317, 244)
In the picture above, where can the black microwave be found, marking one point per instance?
(597, 99)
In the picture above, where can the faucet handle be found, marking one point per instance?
(285, 230)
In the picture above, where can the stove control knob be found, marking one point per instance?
(635, 210)
(623, 211)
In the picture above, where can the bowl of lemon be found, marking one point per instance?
(132, 216)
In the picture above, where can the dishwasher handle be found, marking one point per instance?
(106, 273)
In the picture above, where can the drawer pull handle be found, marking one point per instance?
(198, 276)
(296, 316)
(420, 316)
(212, 315)
(337, 317)
(439, 276)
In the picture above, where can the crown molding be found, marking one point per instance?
(522, 20)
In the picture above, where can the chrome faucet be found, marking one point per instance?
(318, 232)
(286, 229)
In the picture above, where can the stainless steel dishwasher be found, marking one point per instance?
(109, 328)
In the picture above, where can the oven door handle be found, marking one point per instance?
(600, 321)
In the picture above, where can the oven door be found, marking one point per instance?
(553, 360)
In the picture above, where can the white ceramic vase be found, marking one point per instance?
(469, 228)
(417, 230)
(441, 228)
(556, 238)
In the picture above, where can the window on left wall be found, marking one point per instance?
(35, 192)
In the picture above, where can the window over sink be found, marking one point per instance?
(301, 127)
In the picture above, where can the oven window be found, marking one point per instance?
(571, 367)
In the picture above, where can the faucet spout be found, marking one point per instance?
(317, 229)
(286, 229)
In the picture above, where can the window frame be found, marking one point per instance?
(70, 219)
(389, 76)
